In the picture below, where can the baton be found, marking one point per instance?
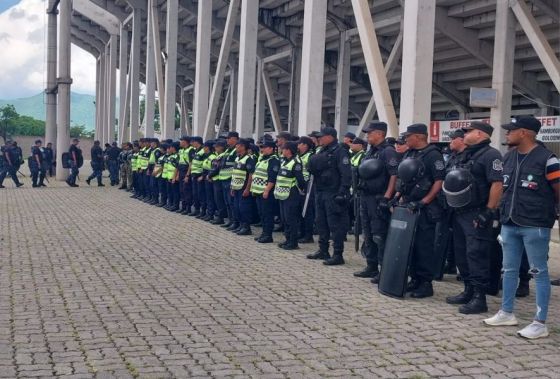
(357, 223)
(19, 172)
(307, 196)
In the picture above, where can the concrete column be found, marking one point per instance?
(295, 85)
(247, 67)
(417, 62)
(50, 124)
(123, 71)
(342, 85)
(225, 110)
(168, 128)
(150, 99)
(202, 75)
(112, 93)
(260, 101)
(107, 87)
(502, 71)
(233, 98)
(102, 95)
(312, 66)
(272, 107)
(97, 96)
(64, 83)
(135, 74)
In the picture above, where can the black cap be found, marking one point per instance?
(164, 146)
(74, 140)
(220, 142)
(350, 135)
(268, 143)
(459, 133)
(176, 145)
(401, 140)
(307, 141)
(292, 146)
(285, 135)
(391, 141)
(197, 139)
(479, 125)
(38, 141)
(416, 129)
(233, 134)
(209, 143)
(250, 139)
(185, 138)
(314, 134)
(327, 131)
(524, 122)
(375, 125)
(359, 141)
(245, 142)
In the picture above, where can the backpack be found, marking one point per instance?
(65, 159)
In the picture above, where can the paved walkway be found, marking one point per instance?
(94, 284)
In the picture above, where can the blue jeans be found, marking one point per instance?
(74, 171)
(113, 171)
(536, 243)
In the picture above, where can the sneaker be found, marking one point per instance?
(501, 319)
(533, 331)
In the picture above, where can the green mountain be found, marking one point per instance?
(82, 111)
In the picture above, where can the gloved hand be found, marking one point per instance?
(393, 202)
(485, 218)
(383, 207)
(415, 206)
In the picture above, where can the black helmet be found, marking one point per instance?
(410, 170)
(458, 187)
(371, 169)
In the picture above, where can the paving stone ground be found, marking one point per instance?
(94, 284)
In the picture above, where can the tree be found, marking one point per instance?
(8, 117)
(79, 131)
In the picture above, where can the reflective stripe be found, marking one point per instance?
(169, 167)
(183, 156)
(285, 180)
(196, 165)
(304, 161)
(207, 163)
(357, 158)
(239, 174)
(227, 168)
(260, 177)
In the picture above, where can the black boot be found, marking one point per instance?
(319, 255)
(412, 285)
(425, 289)
(522, 289)
(290, 246)
(476, 305)
(306, 240)
(265, 239)
(227, 224)
(244, 230)
(218, 221)
(233, 226)
(375, 279)
(335, 260)
(195, 213)
(369, 272)
(462, 298)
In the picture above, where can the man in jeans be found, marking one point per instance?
(528, 210)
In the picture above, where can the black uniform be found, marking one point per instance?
(424, 264)
(333, 176)
(48, 155)
(375, 220)
(471, 244)
(36, 168)
(8, 165)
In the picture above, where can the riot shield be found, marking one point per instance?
(398, 248)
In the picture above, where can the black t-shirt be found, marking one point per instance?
(48, 154)
(113, 153)
(96, 154)
(76, 150)
(433, 162)
(36, 152)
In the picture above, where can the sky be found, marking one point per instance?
(22, 52)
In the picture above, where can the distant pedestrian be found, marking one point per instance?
(74, 162)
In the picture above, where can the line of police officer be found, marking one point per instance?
(310, 181)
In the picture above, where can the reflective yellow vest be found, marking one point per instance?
(134, 161)
(304, 162)
(160, 163)
(239, 174)
(143, 158)
(196, 164)
(183, 155)
(170, 166)
(285, 180)
(207, 163)
(227, 166)
(260, 177)
(357, 158)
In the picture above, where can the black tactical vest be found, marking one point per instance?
(378, 185)
(417, 190)
(528, 198)
(469, 160)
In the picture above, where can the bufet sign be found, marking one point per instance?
(440, 130)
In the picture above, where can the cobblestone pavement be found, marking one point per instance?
(94, 284)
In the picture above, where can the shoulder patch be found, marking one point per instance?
(297, 167)
(345, 160)
(393, 162)
(275, 168)
(497, 165)
(439, 165)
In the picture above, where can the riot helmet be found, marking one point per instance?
(371, 169)
(458, 187)
(410, 170)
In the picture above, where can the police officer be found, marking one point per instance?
(142, 158)
(171, 175)
(185, 154)
(216, 175)
(152, 182)
(75, 161)
(528, 211)
(134, 161)
(400, 146)
(206, 181)
(347, 142)
(290, 185)
(241, 180)
(97, 164)
(357, 150)
(195, 173)
(473, 189)
(36, 165)
(306, 150)
(48, 154)
(332, 174)
(124, 164)
(113, 163)
(262, 188)
(8, 164)
(421, 175)
(228, 161)
(376, 183)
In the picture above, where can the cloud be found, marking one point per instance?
(23, 55)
